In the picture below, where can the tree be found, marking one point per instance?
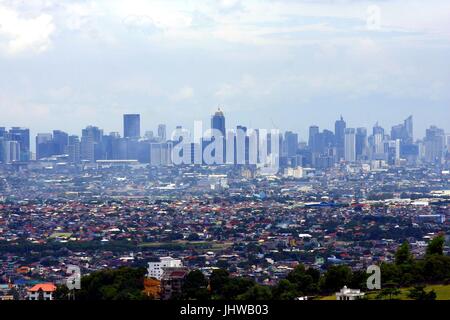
(390, 290)
(336, 277)
(218, 279)
(235, 287)
(419, 293)
(436, 246)
(194, 286)
(285, 290)
(305, 280)
(256, 292)
(403, 254)
(119, 284)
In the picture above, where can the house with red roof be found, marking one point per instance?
(41, 291)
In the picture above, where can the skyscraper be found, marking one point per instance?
(361, 142)
(73, 149)
(218, 121)
(61, 139)
(350, 145)
(313, 132)
(91, 138)
(22, 136)
(291, 143)
(162, 133)
(408, 124)
(339, 132)
(131, 126)
(434, 144)
(44, 145)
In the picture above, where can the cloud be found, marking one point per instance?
(185, 93)
(19, 34)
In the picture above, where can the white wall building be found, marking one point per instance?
(349, 294)
(156, 269)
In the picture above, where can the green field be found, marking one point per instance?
(442, 293)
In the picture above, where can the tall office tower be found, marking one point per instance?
(392, 149)
(434, 145)
(91, 148)
(290, 143)
(73, 148)
(313, 132)
(377, 129)
(160, 154)
(218, 123)
(132, 126)
(11, 151)
(162, 133)
(339, 133)
(2, 131)
(45, 146)
(398, 132)
(350, 145)
(60, 139)
(361, 143)
(241, 145)
(447, 142)
(22, 135)
(408, 125)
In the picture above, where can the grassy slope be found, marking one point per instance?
(442, 292)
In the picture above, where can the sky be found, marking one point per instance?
(283, 64)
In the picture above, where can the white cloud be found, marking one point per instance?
(18, 34)
(185, 93)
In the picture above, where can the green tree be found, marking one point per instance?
(235, 287)
(218, 279)
(419, 293)
(403, 254)
(119, 284)
(390, 290)
(256, 292)
(436, 246)
(336, 277)
(195, 286)
(285, 290)
(305, 280)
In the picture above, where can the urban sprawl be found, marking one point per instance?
(101, 201)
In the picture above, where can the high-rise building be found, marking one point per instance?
(434, 144)
(91, 148)
(22, 136)
(408, 124)
(339, 133)
(132, 126)
(73, 148)
(11, 151)
(361, 143)
(61, 139)
(45, 147)
(313, 132)
(290, 143)
(218, 123)
(350, 145)
(162, 133)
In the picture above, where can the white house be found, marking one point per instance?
(349, 294)
(156, 269)
(42, 291)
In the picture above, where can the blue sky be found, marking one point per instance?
(289, 64)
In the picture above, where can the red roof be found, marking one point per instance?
(46, 287)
